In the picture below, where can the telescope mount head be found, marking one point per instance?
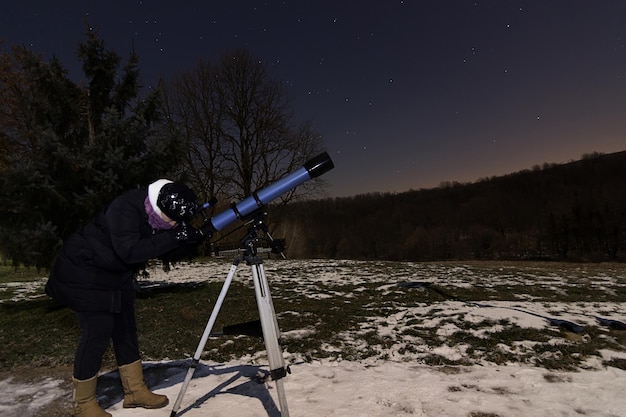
(256, 223)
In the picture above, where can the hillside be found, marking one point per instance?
(574, 211)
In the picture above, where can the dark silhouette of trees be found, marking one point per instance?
(69, 148)
(574, 211)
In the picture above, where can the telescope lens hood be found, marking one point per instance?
(319, 165)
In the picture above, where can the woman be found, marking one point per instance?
(93, 275)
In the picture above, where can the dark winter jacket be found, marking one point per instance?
(94, 268)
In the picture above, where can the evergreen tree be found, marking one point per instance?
(69, 148)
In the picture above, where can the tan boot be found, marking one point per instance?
(85, 404)
(136, 393)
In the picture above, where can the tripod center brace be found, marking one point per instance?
(269, 324)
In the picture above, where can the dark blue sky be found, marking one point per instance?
(407, 94)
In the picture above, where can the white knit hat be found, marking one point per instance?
(153, 193)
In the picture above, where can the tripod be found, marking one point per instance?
(269, 324)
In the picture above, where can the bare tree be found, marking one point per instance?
(194, 117)
(237, 126)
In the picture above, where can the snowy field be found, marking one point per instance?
(400, 376)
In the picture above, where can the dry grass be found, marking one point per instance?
(340, 321)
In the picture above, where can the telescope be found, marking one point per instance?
(249, 207)
(238, 211)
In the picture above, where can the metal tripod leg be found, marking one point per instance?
(269, 325)
(205, 337)
(271, 334)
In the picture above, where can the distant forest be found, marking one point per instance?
(572, 212)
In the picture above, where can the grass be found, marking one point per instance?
(342, 320)
(11, 274)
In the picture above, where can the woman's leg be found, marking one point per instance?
(124, 336)
(96, 329)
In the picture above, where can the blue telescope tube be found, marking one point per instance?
(311, 169)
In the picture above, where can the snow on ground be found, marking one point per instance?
(398, 386)
(343, 388)
(395, 389)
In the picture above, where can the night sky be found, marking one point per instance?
(407, 94)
